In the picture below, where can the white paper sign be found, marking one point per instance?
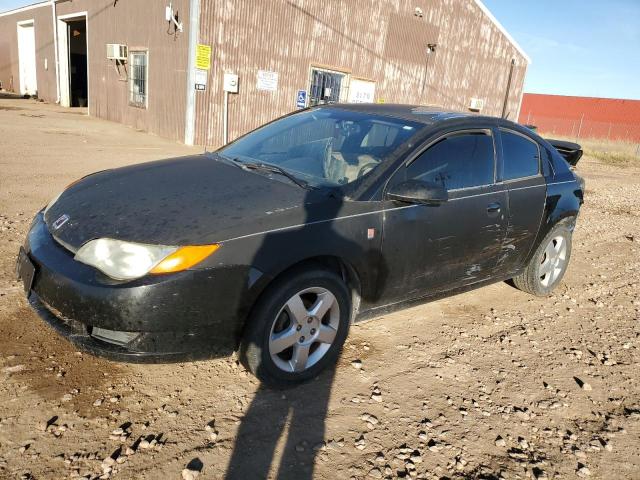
(361, 91)
(267, 80)
(201, 79)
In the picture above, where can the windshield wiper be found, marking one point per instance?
(228, 160)
(269, 167)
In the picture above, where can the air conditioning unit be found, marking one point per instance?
(116, 51)
(476, 104)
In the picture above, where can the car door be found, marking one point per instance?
(431, 248)
(521, 173)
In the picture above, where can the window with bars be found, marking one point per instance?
(138, 79)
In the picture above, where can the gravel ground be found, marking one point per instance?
(489, 384)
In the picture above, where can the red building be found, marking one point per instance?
(582, 117)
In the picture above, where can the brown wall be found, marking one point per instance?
(136, 23)
(383, 41)
(9, 70)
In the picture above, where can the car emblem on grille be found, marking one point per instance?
(60, 221)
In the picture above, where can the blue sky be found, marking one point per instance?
(11, 4)
(578, 47)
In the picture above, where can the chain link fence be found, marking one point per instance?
(610, 142)
(583, 128)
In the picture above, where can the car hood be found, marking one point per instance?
(184, 201)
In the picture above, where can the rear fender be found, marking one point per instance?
(562, 206)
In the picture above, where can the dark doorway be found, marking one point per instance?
(78, 82)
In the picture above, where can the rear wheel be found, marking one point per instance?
(549, 263)
(297, 328)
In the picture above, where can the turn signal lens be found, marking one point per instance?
(184, 257)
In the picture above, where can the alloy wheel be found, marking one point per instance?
(304, 329)
(553, 261)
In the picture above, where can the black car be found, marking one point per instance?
(275, 243)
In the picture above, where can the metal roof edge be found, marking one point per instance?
(44, 3)
(504, 31)
(587, 97)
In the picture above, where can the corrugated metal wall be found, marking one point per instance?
(9, 67)
(583, 117)
(139, 24)
(383, 41)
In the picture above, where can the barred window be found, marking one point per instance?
(138, 79)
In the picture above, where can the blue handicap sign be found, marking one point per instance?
(301, 99)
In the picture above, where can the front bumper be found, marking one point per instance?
(188, 315)
(155, 347)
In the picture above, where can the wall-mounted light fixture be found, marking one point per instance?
(172, 18)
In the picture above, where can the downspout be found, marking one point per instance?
(524, 77)
(506, 94)
(190, 110)
(55, 48)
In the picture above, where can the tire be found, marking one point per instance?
(282, 325)
(539, 277)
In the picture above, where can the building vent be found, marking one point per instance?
(476, 104)
(116, 51)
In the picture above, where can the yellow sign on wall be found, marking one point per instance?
(203, 57)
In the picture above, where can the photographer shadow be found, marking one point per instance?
(299, 411)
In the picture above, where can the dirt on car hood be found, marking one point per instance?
(183, 201)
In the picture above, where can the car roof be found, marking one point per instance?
(428, 115)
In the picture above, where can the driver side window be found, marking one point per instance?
(459, 160)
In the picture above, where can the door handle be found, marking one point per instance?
(493, 207)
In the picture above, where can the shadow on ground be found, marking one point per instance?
(297, 413)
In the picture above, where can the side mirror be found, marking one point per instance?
(416, 191)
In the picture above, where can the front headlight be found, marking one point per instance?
(127, 260)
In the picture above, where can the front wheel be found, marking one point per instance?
(297, 328)
(548, 264)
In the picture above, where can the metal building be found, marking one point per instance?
(583, 117)
(160, 65)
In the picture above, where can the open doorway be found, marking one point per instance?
(74, 64)
(78, 82)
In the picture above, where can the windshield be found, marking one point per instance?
(324, 146)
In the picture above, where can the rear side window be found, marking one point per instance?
(521, 156)
(460, 160)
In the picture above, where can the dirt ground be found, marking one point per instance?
(489, 384)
